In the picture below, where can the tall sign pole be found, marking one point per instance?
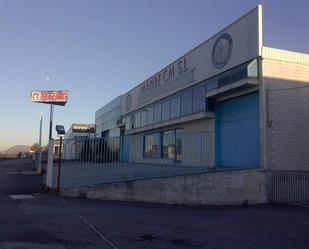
(52, 98)
(39, 169)
(56, 97)
(51, 122)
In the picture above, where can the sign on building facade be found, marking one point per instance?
(238, 43)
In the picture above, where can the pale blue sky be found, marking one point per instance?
(98, 49)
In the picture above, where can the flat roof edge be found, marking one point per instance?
(285, 55)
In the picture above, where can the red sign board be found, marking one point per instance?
(50, 97)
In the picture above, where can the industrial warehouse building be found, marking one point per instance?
(72, 138)
(230, 102)
(224, 124)
(106, 119)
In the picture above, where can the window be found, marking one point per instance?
(169, 144)
(212, 86)
(166, 110)
(178, 145)
(132, 121)
(175, 107)
(150, 115)
(224, 81)
(128, 123)
(137, 120)
(152, 146)
(186, 103)
(157, 113)
(143, 118)
(105, 134)
(199, 99)
(239, 75)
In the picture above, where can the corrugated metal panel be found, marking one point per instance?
(237, 136)
(285, 55)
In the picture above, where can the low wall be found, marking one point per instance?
(220, 188)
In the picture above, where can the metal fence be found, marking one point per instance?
(93, 150)
(102, 160)
(179, 149)
(288, 187)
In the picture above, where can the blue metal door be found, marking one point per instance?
(237, 132)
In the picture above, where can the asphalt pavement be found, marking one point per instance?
(49, 221)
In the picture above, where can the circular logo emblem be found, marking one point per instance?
(128, 102)
(222, 50)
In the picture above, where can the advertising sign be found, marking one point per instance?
(83, 128)
(59, 97)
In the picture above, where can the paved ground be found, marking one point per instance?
(54, 222)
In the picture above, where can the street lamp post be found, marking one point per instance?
(60, 132)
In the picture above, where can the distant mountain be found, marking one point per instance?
(16, 149)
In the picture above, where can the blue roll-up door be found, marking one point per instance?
(237, 134)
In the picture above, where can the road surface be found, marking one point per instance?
(48, 221)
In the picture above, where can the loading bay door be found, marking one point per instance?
(237, 132)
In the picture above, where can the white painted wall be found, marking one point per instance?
(287, 129)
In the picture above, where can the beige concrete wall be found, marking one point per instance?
(286, 79)
(221, 188)
(199, 125)
(288, 65)
(286, 70)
